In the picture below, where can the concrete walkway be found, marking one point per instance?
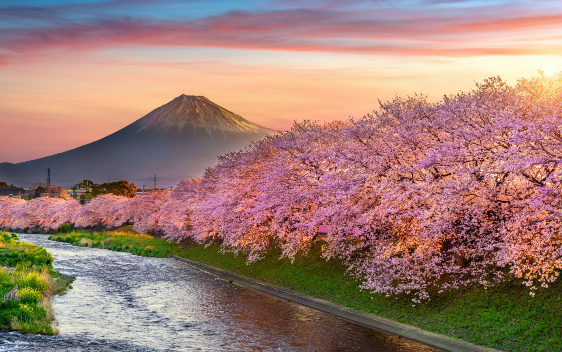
(409, 332)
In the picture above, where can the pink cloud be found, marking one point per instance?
(511, 24)
(388, 33)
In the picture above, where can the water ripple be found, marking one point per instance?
(122, 302)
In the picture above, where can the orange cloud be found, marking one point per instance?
(292, 30)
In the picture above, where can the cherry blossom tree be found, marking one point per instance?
(9, 209)
(45, 212)
(145, 210)
(416, 197)
(107, 210)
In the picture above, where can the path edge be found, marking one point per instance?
(409, 332)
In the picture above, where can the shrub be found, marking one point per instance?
(29, 295)
(11, 258)
(39, 255)
(4, 277)
(10, 309)
(8, 238)
(86, 242)
(35, 281)
(64, 228)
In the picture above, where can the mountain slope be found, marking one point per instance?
(189, 111)
(175, 141)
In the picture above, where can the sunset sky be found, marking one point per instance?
(72, 72)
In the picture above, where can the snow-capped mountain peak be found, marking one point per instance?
(188, 112)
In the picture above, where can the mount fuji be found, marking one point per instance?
(173, 142)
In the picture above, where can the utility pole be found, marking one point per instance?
(154, 181)
(48, 178)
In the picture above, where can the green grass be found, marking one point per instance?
(29, 267)
(503, 317)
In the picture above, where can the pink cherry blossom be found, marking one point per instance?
(415, 198)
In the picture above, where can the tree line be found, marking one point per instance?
(416, 198)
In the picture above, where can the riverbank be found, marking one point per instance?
(27, 284)
(504, 317)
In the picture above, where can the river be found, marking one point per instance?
(121, 302)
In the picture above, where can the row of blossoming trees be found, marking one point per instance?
(418, 197)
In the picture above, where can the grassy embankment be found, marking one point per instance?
(27, 284)
(503, 317)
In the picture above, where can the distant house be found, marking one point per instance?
(82, 191)
(12, 192)
(80, 188)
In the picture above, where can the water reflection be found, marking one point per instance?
(122, 302)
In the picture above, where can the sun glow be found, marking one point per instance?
(550, 71)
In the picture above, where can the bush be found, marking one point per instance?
(64, 228)
(5, 235)
(39, 255)
(4, 277)
(35, 281)
(10, 309)
(26, 245)
(8, 237)
(11, 258)
(119, 188)
(29, 295)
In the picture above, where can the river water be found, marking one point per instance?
(121, 302)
